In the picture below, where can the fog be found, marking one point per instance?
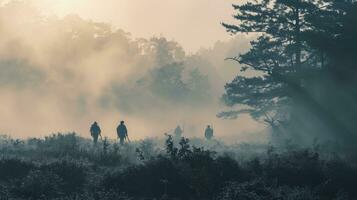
(185, 21)
(60, 74)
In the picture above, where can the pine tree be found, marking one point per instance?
(279, 57)
(304, 61)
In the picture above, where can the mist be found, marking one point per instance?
(279, 94)
(60, 74)
(192, 23)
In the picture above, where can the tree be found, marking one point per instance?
(166, 81)
(334, 36)
(292, 58)
(279, 56)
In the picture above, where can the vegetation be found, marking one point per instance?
(304, 59)
(302, 82)
(65, 166)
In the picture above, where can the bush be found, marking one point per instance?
(72, 174)
(13, 168)
(154, 179)
(60, 145)
(183, 172)
(340, 177)
(296, 168)
(177, 171)
(39, 184)
(259, 190)
(4, 192)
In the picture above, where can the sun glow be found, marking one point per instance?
(62, 7)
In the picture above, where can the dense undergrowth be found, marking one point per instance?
(65, 166)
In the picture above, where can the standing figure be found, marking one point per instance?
(122, 132)
(178, 132)
(209, 132)
(95, 132)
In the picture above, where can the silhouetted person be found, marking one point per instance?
(95, 132)
(178, 132)
(209, 133)
(122, 132)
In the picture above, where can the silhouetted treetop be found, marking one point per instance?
(303, 50)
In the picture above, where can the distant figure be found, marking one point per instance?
(95, 132)
(178, 132)
(209, 132)
(122, 132)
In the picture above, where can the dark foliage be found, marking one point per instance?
(179, 171)
(12, 168)
(304, 66)
(72, 174)
(39, 184)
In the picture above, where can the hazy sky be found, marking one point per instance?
(63, 73)
(193, 23)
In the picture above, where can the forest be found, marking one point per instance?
(298, 78)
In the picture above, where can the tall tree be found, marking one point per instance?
(334, 36)
(278, 56)
(290, 68)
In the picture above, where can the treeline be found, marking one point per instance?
(106, 70)
(67, 167)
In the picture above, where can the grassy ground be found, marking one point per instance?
(65, 166)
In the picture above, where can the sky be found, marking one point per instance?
(155, 64)
(193, 23)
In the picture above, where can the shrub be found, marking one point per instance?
(252, 190)
(340, 176)
(60, 145)
(13, 168)
(260, 190)
(72, 174)
(39, 184)
(154, 179)
(177, 171)
(296, 168)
